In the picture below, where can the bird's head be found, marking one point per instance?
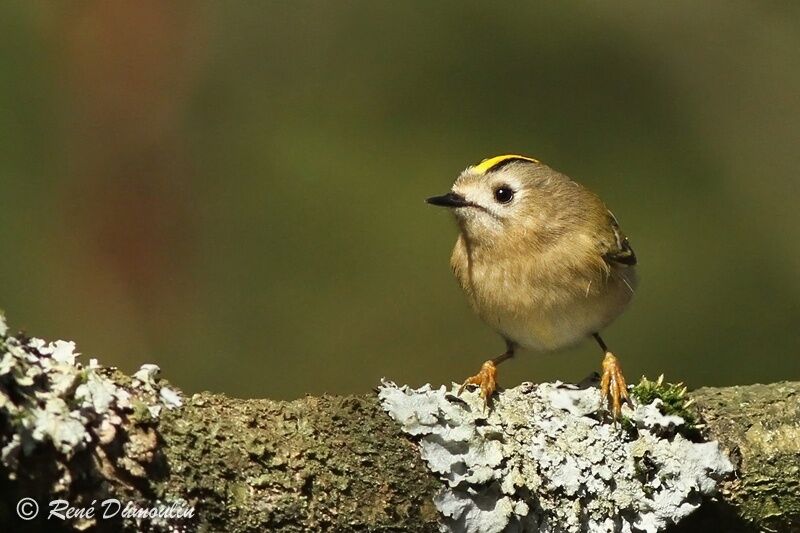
(507, 195)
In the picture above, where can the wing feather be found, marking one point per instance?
(618, 249)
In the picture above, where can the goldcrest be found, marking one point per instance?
(541, 260)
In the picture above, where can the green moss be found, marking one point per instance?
(627, 424)
(673, 397)
(141, 414)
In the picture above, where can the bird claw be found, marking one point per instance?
(613, 387)
(486, 379)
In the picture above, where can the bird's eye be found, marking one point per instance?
(504, 194)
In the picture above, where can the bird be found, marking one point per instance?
(542, 261)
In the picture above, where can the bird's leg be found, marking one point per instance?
(486, 378)
(612, 383)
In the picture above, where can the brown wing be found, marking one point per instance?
(618, 249)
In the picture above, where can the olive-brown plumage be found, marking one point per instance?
(541, 260)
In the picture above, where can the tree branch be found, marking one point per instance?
(327, 463)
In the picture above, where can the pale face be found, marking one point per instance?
(494, 201)
(522, 201)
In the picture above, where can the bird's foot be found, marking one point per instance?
(486, 379)
(613, 387)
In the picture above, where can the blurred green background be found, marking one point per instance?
(235, 190)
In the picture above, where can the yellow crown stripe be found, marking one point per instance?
(488, 164)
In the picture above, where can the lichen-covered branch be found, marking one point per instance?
(313, 464)
(548, 458)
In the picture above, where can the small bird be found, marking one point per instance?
(542, 261)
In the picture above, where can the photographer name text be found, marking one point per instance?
(28, 509)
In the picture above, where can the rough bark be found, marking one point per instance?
(341, 464)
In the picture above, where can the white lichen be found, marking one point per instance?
(85, 422)
(543, 459)
(48, 398)
(146, 378)
(146, 375)
(170, 398)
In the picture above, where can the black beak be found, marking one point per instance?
(450, 199)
